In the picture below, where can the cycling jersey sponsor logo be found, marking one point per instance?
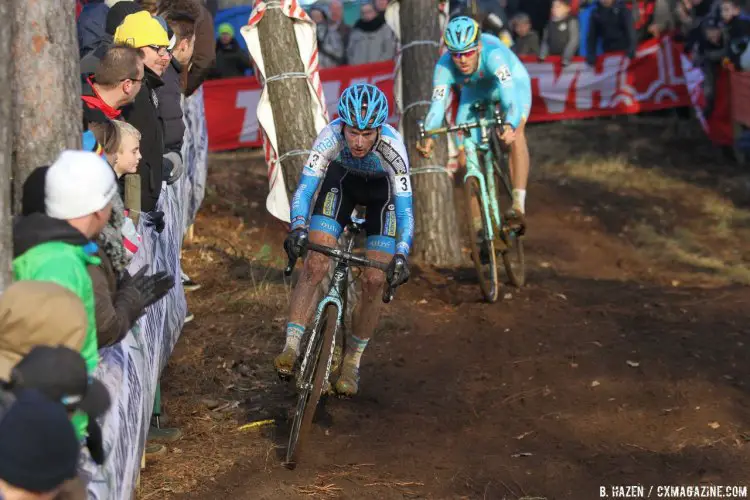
(329, 205)
(391, 207)
(334, 190)
(379, 243)
(390, 223)
(392, 156)
(438, 93)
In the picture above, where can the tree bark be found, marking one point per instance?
(437, 239)
(290, 97)
(46, 85)
(6, 142)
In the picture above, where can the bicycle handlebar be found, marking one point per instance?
(349, 258)
(497, 119)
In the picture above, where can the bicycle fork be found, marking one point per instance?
(485, 183)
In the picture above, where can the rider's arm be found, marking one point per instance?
(500, 65)
(441, 90)
(401, 189)
(324, 150)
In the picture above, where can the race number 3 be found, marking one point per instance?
(403, 185)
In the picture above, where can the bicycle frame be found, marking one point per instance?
(486, 179)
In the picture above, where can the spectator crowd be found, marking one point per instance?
(73, 242)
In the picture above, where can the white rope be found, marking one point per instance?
(429, 169)
(274, 5)
(419, 42)
(414, 104)
(292, 152)
(285, 76)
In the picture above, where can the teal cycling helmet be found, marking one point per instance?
(363, 106)
(462, 33)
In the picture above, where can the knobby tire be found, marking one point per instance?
(486, 272)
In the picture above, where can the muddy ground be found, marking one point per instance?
(624, 360)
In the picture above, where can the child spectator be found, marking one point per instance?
(736, 31)
(611, 25)
(561, 37)
(330, 44)
(526, 42)
(39, 451)
(232, 61)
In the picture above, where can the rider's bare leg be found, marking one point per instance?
(303, 296)
(365, 320)
(519, 167)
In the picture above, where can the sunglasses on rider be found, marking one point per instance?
(465, 53)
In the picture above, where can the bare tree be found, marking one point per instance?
(46, 85)
(6, 140)
(290, 96)
(437, 239)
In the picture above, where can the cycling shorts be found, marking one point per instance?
(341, 191)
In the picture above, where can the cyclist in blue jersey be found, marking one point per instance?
(486, 69)
(360, 160)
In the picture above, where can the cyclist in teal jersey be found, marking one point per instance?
(485, 69)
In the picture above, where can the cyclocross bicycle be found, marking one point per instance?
(327, 333)
(482, 185)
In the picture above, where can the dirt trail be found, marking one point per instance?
(623, 361)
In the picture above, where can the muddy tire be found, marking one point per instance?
(310, 384)
(482, 253)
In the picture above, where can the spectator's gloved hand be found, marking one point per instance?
(295, 243)
(154, 219)
(172, 167)
(156, 286)
(95, 442)
(398, 271)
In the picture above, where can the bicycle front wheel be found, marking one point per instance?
(482, 247)
(513, 256)
(311, 382)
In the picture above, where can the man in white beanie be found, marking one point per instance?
(58, 246)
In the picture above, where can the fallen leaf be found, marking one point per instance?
(522, 454)
(561, 295)
(545, 265)
(521, 436)
(595, 383)
(634, 364)
(574, 365)
(423, 301)
(508, 296)
(714, 425)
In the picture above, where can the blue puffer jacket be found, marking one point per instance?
(91, 25)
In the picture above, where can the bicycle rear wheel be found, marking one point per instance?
(311, 383)
(482, 247)
(512, 254)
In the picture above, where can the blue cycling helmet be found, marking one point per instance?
(462, 33)
(363, 106)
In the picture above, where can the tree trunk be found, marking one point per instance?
(6, 142)
(437, 239)
(46, 85)
(290, 97)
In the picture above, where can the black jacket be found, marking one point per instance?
(170, 110)
(143, 114)
(231, 60)
(614, 27)
(37, 228)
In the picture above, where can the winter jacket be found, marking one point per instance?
(331, 47)
(561, 38)
(91, 25)
(527, 45)
(117, 310)
(96, 48)
(345, 31)
(614, 27)
(204, 55)
(231, 60)
(169, 96)
(371, 41)
(47, 249)
(143, 114)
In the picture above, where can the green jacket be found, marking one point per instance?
(47, 249)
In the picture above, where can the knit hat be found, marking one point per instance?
(226, 28)
(79, 183)
(139, 30)
(32, 199)
(40, 449)
(60, 374)
(117, 14)
(24, 325)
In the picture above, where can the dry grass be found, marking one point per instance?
(678, 222)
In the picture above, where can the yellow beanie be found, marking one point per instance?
(139, 30)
